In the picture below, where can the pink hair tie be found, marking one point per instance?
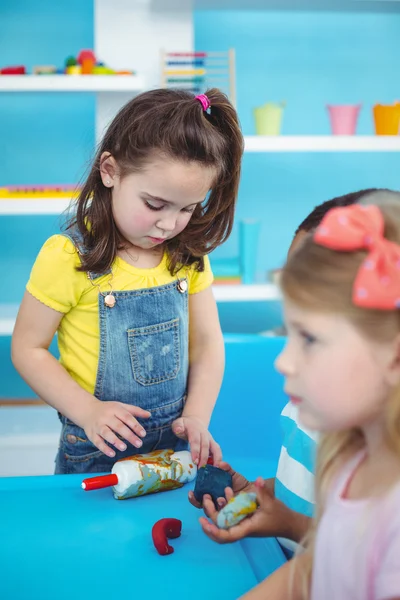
(204, 101)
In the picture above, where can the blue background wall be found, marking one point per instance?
(47, 137)
(307, 59)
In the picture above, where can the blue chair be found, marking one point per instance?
(245, 421)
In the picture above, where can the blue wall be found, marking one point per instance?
(307, 59)
(48, 137)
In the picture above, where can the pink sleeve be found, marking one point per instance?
(387, 583)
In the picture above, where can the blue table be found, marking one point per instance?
(59, 542)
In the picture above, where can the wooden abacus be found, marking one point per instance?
(197, 71)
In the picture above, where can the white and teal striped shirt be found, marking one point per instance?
(294, 482)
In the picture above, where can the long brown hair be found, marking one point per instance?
(171, 122)
(320, 279)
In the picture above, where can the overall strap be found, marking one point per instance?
(76, 238)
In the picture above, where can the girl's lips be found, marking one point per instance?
(156, 240)
(294, 399)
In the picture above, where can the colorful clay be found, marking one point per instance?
(162, 530)
(237, 509)
(211, 480)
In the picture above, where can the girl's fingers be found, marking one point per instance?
(136, 411)
(132, 423)
(126, 433)
(102, 446)
(216, 453)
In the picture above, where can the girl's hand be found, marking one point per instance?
(271, 519)
(103, 422)
(201, 442)
(239, 484)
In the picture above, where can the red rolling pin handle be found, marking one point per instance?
(102, 481)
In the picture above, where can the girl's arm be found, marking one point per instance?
(286, 583)
(206, 369)
(34, 330)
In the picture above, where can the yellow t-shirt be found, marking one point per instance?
(55, 281)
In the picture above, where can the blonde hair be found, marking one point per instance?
(320, 279)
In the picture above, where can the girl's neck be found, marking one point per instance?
(380, 469)
(140, 258)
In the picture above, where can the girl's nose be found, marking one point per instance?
(167, 223)
(283, 362)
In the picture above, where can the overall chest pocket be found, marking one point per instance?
(155, 352)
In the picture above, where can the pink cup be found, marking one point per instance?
(343, 118)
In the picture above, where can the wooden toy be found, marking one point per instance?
(44, 70)
(197, 71)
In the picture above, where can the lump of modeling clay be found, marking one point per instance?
(162, 530)
(211, 480)
(238, 508)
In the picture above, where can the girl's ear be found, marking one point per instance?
(108, 169)
(394, 364)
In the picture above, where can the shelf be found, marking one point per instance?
(246, 293)
(70, 83)
(33, 206)
(379, 6)
(222, 293)
(8, 314)
(323, 143)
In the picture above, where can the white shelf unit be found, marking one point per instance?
(71, 83)
(323, 143)
(246, 293)
(33, 206)
(8, 314)
(112, 91)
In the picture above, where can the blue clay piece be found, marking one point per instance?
(237, 509)
(213, 481)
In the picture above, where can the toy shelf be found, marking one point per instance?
(246, 293)
(8, 313)
(70, 83)
(33, 206)
(222, 293)
(322, 143)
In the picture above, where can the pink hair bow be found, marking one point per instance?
(352, 228)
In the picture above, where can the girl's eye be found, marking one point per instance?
(152, 207)
(308, 339)
(189, 210)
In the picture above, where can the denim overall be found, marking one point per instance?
(144, 361)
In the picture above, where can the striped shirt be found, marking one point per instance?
(294, 482)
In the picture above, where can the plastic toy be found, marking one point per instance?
(344, 118)
(142, 474)
(20, 192)
(268, 118)
(162, 530)
(211, 480)
(242, 268)
(19, 70)
(387, 119)
(87, 60)
(237, 509)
